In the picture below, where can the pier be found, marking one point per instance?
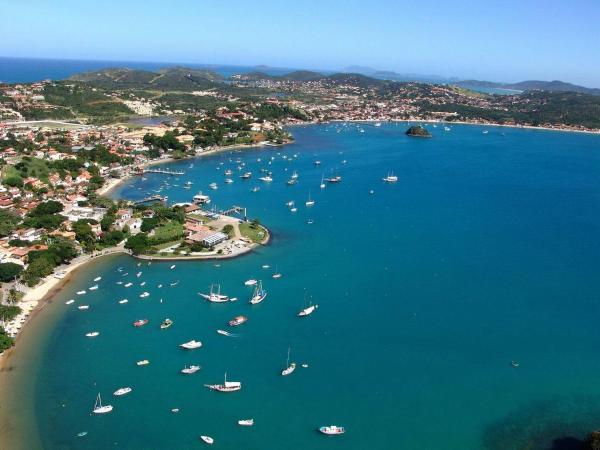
(233, 210)
(153, 198)
(165, 171)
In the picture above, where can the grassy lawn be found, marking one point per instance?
(254, 234)
(167, 244)
(169, 231)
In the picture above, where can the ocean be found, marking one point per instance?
(26, 70)
(484, 253)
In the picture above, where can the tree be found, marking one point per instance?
(9, 271)
(8, 222)
(38, 269)
(45, 208)
(138, 243)
(84, 234)
(228, 230)
(149, 224)
(14, 181)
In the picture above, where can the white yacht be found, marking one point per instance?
(122, 391)
(190, 345)
(122, 302)
(207, 439)
(190, 370)
(246, 422)
(332, 430)
(144, 294)
(143, 362)
(309, 202)
(250, 282)
(201, 199)
(83, 307)
(97, 278)
(308, 310)
(92, 334)
(99, 409)
(68, 302)
(266, 178)
(80, 292)
(213, 186)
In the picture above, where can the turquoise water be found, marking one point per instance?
(486, 251)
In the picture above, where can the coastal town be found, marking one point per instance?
(65, 144)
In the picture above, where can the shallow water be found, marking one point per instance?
(486, 251)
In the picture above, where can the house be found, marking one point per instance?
(134, 225)
(124, 214)
(207, 238)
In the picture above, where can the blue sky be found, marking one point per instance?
(508, 40)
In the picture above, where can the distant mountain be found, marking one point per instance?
(550, 86)
(395, 76)
(175, 78)
(303, 75)
(355, 79)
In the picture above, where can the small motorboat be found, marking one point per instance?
(190, 370)
(307, 311)
(69, 302)
(97, 278)
(251, 282)
(226, 333)
(175, 410)
(83, 307)
(80, 292)
(190, 345)
(143, 362)
(172, 267)
(140, 322)
(207, 439)
(166, 324)
(238, 320)
(94, 287)
(122, 391)
(128, 284)
(92, 334)
(122, 302)
(514, 364)
(145, 294)
(246, 422)
(332, 430)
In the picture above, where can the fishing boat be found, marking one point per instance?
(258, 295)
(144, 294)
(190, 370)
(122, 302)
(92, 334)
(246, 422)
(166, 324)
(99, 409)
(250, 282)
(68, 302)
(332, 430)
(215, 297)
(140, 322)
(246, 175)
(289, 368)
(83, 307)
(266, 178)
(309, 202)
(227, 386)
(190, 345)
(143, 362)
(391, 178)
(122, 391)
(97, 278)
(201, 199)
(238, 320)
(207, 439)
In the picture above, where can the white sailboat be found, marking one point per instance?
(391, 178)
(309, 202)
(322, 185)
(277, 274)
(227, 386)
(213, 296)
(99, 409)
(258, 295)
(307, 310)
(289, 368)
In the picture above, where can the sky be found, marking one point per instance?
(510, 40)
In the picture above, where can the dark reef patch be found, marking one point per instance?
(559, 423)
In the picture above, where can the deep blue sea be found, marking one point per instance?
(24, 70)
(486, 251)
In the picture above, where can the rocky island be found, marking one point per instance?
(418, 131)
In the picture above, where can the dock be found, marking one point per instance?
(165, 171)
(153, 198)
